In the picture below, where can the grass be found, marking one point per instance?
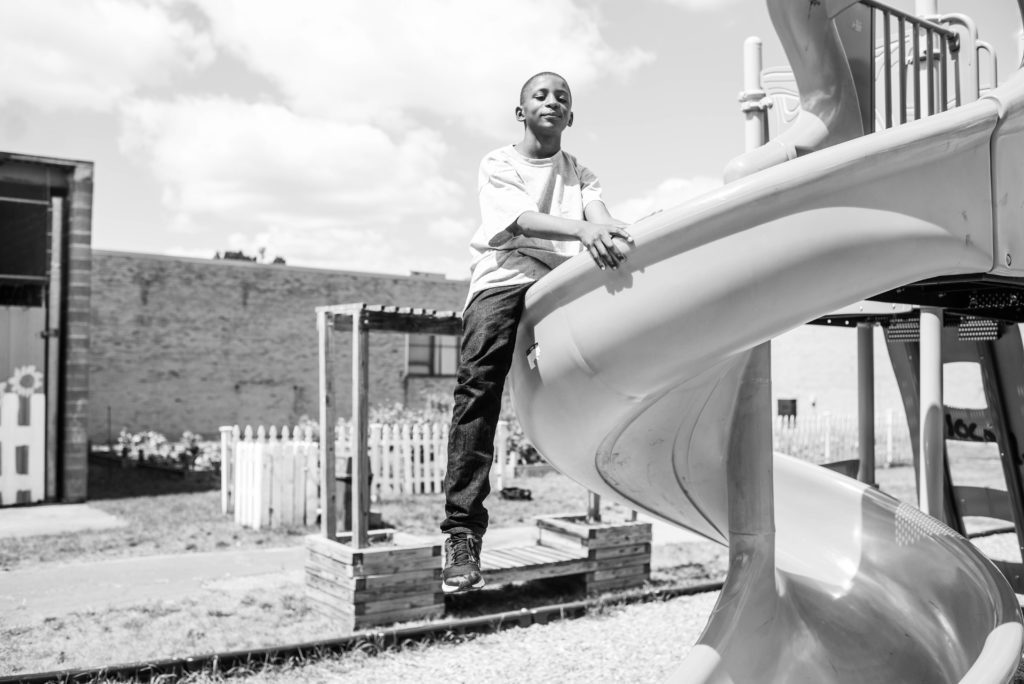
(265, 610)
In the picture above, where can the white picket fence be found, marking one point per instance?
(826, 438)
(271, 479)
(22, 448)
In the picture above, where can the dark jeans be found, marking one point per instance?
(488, 340)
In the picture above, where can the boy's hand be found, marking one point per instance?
(599, 240)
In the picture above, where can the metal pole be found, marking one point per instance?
(753, 99)
(54, 351)
(931, 469)
(866, 401)
(749, 461)
(926, 63)
(360, 485)
(753, 95)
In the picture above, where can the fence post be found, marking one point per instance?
(376, 460)
(243, 494)
(439, 456)
(405, 450)
(227, 470)
(278, 484)
(265, 477)
(311, 455)
(828, 437)
(501, 451)
(888, 439)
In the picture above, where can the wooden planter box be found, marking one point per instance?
(620, 552)
(378, 585)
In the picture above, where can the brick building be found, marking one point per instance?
(192, 344)
(45, 226)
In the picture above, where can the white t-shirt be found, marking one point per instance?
(510, 184)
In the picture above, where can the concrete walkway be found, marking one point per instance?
(52, 590)
(33, 521)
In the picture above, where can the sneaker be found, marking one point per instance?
(461, 563)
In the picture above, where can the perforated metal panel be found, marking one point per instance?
(973, 329)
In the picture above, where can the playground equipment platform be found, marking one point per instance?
(651, 383)
(366, 578)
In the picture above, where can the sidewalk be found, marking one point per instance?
(32, 595)
(31, 521)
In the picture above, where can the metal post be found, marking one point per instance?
(54, 323)
(866, 401)
(931, 469)
(753, 96)
(926, 62)
(749, 461)
(360, 431)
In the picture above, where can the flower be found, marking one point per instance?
(26, 381)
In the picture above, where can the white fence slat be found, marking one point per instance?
(376, 460)
(227, 475)
(439, 456)
(24, 446)
(388, 472)
(298, 464)
(417, 459)
(405, 453)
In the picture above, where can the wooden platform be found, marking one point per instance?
(378, 585)
(609, 556)
(525, 563)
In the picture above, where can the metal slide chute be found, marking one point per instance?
(639, 384)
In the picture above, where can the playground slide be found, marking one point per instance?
(633, 384)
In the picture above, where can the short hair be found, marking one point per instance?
(524, 91)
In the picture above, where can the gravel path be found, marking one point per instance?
(636, 643)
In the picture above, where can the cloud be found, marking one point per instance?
(669, 193)
(263, 164)
(89, 54)
(451, 230)
(366, 250)
(461, 60)
(702, 5)
(315, 191)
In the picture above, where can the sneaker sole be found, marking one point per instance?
(461, 589)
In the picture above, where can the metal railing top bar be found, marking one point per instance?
(918, 22)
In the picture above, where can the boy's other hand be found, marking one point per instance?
(599, 241)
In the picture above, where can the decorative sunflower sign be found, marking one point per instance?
(25, 381)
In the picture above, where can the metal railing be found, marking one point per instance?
(921, 71)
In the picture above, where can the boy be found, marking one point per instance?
(538, 206)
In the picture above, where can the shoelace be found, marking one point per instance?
(461, 550)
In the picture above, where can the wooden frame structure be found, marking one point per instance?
(364, 578)
(359, 319)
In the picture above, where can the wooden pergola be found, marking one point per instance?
(359, 319)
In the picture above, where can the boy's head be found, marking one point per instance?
(545, 103)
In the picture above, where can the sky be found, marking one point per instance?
(347, 135)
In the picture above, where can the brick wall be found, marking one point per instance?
(192, 344)
(77, 333)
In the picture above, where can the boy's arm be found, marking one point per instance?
(597, 212)
(597, 237)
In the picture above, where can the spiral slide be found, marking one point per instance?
(650, 386)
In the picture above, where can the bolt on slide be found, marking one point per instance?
(651, 386)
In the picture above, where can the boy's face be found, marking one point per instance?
(547, 106)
